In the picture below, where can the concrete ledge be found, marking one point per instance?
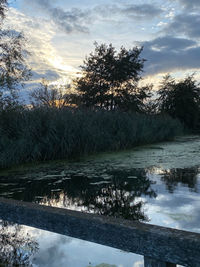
(163, 244)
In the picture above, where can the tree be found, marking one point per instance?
(13, 69)
(3, 8)
(49, 95)
(110, 79)
(180, 100)
(16, 248)
(53, 96)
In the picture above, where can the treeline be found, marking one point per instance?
(110, 81)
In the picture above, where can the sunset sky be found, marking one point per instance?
(61, 33)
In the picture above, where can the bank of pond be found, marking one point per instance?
(41, 134)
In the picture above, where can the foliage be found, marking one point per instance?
(13, 69)
(3, 8)
(16, 247)
(180, 100)
(45, 134)
(188, 177)
(110, 79)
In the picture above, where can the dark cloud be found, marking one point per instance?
(169, 53)
(74, 20)
(170, 43)
(191, 4)
(143, 11)
(163, 54)
(78, 20)
(53, 254)
(185, 24)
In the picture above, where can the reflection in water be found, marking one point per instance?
(114, 196)
(162, 190)
(16, 247)
(103, 265)
(110, 193)
(41, 248)
(187, 177)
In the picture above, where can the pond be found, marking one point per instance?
(157, 184)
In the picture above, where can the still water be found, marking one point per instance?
(157, 184)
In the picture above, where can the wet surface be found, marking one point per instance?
(157, 183)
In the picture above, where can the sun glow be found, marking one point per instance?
(59, 64)
(64, 81)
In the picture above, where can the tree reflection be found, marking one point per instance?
(187, 177)
(16, 247)
(118, 198)
(109, 192)
(118, 195)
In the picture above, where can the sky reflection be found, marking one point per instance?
(152, 184)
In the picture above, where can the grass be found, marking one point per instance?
(44, 134)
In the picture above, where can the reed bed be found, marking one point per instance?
(48, 133)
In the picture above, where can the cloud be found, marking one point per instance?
(185, 24)
(130, 11)
(185, 208)
(190, 4)
(70, 21)
(170, 43)
(74, 20)
(144, 11)
(166, 54)
(50, 75)
(44, 59)
(53, 49)
(80, 20)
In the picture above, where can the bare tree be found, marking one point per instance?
(50, 95)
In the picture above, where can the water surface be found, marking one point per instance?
(156, 184)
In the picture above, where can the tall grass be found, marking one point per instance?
(48, 134)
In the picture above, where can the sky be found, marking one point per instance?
(61, 33)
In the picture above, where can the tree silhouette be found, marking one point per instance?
(3, 8)
(110, 79)
(180, 100)
(187, 177)
(13, 69)
(119, 198)
(47, 95)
